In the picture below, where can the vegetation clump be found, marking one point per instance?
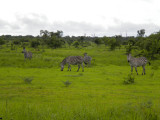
(28, 80)
(129, 79)
(67, 83)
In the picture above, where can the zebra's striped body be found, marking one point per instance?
(137, 62)
(72, 60)
(87, 59)
(27, 55)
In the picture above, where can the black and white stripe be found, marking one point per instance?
(72, 60)
(137, 62)
(87, 59)
(27, 55)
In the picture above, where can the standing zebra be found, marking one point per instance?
(73, 60)
(87, 59)
(27, 55)
(137, 62)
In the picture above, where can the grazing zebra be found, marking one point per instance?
(87, 59)
(27, 55)
(73, 60)
(137, 62)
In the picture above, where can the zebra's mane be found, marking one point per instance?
(64, 61)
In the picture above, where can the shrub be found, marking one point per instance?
(129, 79)
(35, 43)
(2, 41)
(76, 44)
(55, 42)
(67, 83)
(28, 80)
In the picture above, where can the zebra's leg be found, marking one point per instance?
(136, 70)
(131, 69)
(89, 63)
(143, 70)
(82, 67)
(78, 67)
(68, 66)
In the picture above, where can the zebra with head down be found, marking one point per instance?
(27, 55)
(72, 60)
(137, 62)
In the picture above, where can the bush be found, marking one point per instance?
(98, 41)
(28, 80)
(55, 42)
(67, 83)
(76, 44)
(2, 41)
(129, 79)
(16, 42)
(35, 43)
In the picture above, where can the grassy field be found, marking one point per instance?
(98, 93)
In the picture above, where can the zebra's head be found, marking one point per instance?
(24, 50)
(85, 54)
(62, 66)
(129, 57)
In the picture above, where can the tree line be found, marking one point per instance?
(148, 46)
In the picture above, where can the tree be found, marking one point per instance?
(2, 41)
(16, 42)
(149, 46)
(98, 41)
(141, 32)
(81, 40)
(131, 41)
(105, 40)
(52, 39)
(35, 43)
(69, 42)
(45, 36)
(112, 43)
(44, 33)
(59, 33)
(55, 42)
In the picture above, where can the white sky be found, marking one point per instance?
(79, 17)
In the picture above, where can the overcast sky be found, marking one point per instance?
(79, 17)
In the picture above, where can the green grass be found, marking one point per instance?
(98, 93)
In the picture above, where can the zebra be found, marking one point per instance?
(87, 59)
(137, 62)
(72, 60)
(27, 55)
